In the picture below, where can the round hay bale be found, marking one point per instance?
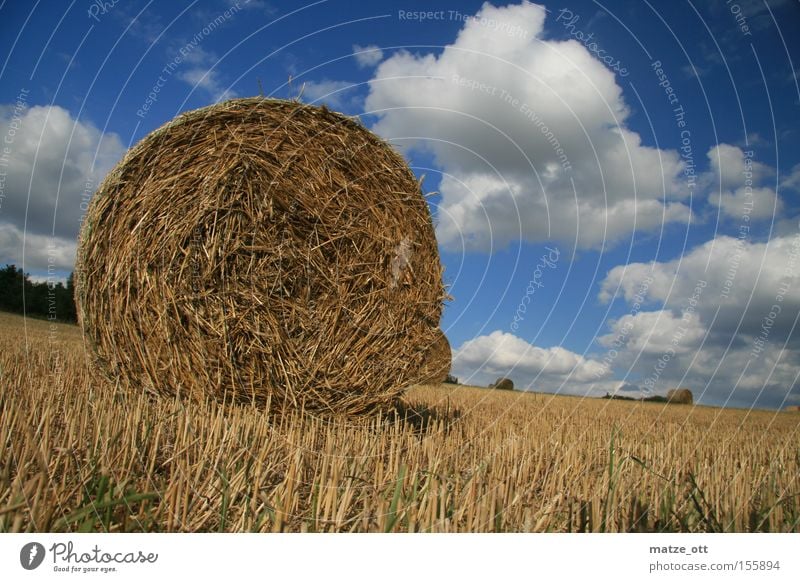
(264, 251)
(680, 396)
(502, 384)
(792, 408)
(437, 361)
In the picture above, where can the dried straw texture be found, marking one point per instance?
(80, 458)
(502, 384)
(437, 361)
(680, 396)
(263, 251)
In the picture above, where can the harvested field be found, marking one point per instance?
(78, 456)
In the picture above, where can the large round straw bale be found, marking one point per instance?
(502, 384)
(680, 396)
(261, 250)
(437, 361)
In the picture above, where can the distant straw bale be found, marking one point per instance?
(263, 251)
(680, 396)
(502, 384)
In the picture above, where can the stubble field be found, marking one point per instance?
(78, 455)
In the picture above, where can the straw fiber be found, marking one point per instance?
(263, 251)
(437, 362)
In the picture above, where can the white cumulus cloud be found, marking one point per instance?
(742, 281)
(487, 357)
(655, 332)
(54, 166)
(40, 250)
(737, 184)
(721, 320)
(531, 135)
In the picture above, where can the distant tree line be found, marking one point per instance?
(674, 396)
(654, 398)
(54, 301)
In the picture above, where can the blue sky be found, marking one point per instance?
(615, 184)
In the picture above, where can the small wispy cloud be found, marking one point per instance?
(694, 70)
(203, 74)
(367, 56)
(336, 94)
(209, 80)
